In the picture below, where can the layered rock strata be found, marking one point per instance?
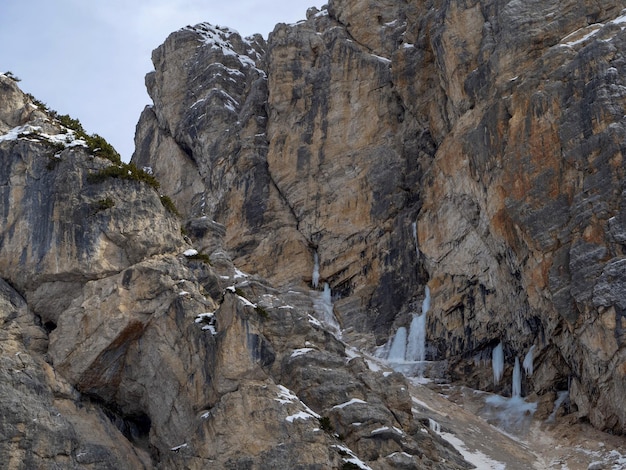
(124, 347)
(473, 146)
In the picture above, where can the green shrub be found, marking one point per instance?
(12, 76)
(170, 206)
(73, 124)
(261, 311)
(101, 205)
(349, 466)
(325, 424)
(105, 203)
(40, 104)
(96, 143)
(101, 148)
(127, 171)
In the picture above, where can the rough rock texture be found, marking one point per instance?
(497, 128)
(122, 347)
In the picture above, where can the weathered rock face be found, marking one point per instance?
(495, 127)
(123, 348)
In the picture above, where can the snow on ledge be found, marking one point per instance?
(348, 403)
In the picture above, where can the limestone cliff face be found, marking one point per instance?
(475, 147)
(123, 347)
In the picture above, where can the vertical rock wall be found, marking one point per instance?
(496, 126)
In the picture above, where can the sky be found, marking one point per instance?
(89, 58)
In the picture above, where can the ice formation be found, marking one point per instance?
(315, 278)
(323, 304)
(410, 346)
(528, 362)
(497, 363)
(397, 352)
(517, 380)
(416, 344)
(434, 425)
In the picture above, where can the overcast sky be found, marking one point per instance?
(88, 58)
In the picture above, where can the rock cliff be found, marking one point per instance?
(124, 347)
(474, 147)
(326, 181)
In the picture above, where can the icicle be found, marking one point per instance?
(398, 346)
(497, 363)
(517, 380)
(416, 347)
(434, 425)
(315, 279)
(528, 362)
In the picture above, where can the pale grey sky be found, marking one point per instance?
(88, 59)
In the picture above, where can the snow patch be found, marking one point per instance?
(239, 274)
(475, 457)
(190, 252)
(300, 352)
(348, 403)
(352, 458)
(299, 415)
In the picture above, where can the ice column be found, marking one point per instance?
(416, 347)
(497, 363)
(397, 351)
(517, 380)
(323, 304)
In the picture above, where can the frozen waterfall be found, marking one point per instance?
(323, 304)
(408, 347)
(397, 352)
(315, 278)
(416, 343)
(497, 363)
